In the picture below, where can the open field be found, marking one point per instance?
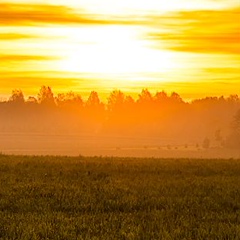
(90, 145)
(118, 198)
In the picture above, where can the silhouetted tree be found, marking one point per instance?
(130, 117)
(233, 98)
(32, 100)
(69, 99)
(46, 96)
(145, 107)
(145, 97)
(158, 115)
(17, 96)
(94, 108)
(129, 100)
(176, 97)
(161, 97)
(116, 100)
(93, 100)
(234, 139)
(236, 122)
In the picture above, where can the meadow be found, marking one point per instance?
(52, 197)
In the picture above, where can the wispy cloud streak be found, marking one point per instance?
(35, 14)
(15, 36)
(6, 57)
(200, 31)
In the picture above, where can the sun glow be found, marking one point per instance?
(101, 45)
(112, 50)
(116, 7)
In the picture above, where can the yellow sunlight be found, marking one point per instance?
(178, 45)
(111, 50)
(116, 7)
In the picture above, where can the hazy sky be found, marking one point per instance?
(188, 46)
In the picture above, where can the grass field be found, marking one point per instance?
(118, 198)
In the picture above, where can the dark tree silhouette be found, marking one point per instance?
(95, 109)
(129, 101)
(17, 96)
(32, 100)
(161, 97)
(116, 100)
(176, 97)
(236, 122)
(234, 138)
(233, 98)
(46, 96)
(145, 97)
(149, 116)
(93, 100)
(69, 99)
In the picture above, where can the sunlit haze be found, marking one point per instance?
(191, 47)
(119, 119)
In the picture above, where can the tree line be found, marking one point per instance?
(150, 115)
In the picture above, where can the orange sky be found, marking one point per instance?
(192, 47)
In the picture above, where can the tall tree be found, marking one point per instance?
(69, 99)
(93, 100)
(175, 97)
(161, 97)
(116, 100)
(234, 138)
(145, 97)
(46, 96)
(17, 96)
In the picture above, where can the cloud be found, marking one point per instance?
(203, 31)
(60, 81)
(10, 57)
(35, 79)
(36, 14)
(228, 70)
(15, 36)
(30, 14)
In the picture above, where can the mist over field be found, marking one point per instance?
(152, 125)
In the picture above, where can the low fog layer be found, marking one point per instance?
(156, 124)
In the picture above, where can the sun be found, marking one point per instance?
(108, 51)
